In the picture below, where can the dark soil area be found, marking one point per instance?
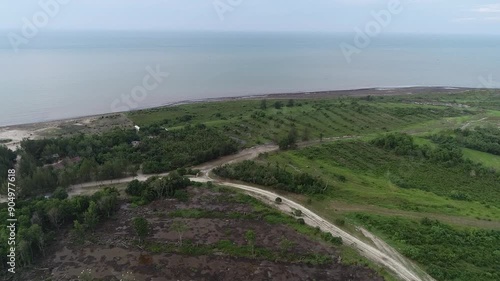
(114, 249)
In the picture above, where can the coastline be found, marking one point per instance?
(16, 133)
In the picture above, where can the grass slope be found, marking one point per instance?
(250, 122)
(371, 173)
(447, 253)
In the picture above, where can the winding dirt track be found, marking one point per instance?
(385, 256)
(381, 253)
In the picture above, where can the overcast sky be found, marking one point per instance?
(422, 16)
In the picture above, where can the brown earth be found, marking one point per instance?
(113, 249)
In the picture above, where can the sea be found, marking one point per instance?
(63, 74)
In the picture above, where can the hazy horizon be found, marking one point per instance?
(412, 16)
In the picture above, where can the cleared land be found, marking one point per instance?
(213, 245)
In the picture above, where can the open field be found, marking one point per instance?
(486, 159)
(368, 172)
(253, 123)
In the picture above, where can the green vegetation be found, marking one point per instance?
(447, 253)
(445, 170)
(467, 181)
(254, 122)
(180, 228)
(49, 163)
(7, 158)
(232, 249)
(363, 174)
(480, 139)
(39, 220)
(488, 160)
(5, 141)
(141, 227)
(277, 177)
(157, 188)
(250, 237)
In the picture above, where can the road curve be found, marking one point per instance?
(385, 256)
(390, 259)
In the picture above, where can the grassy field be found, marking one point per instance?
(486, 159)
(250, 122)
(369, 173)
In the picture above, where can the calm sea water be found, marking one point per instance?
(62, 75)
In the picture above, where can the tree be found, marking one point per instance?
(54, 215)
(24, 250)
(290, 141)
(278, 200)
(107, 204)
(37, 236)
(91, 216)
(291, 103)
(321, 137)
(180, 228)
(134, 188)
(263, 104)
(250, 237)
(60, 193)
(306, 134)
(141, 227)
(278, 105)
(78, 231)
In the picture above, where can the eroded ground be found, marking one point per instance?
(214, 246)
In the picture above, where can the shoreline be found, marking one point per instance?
(16, 133)
(380, 91)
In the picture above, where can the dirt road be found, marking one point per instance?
(385, 256)
(382, 254)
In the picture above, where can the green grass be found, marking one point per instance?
(370, 171)
(446, 252)
(230, 248)
(246, 121)
(483, 99)
(488, 160)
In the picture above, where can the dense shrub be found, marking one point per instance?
(446, 252)
(274, 176)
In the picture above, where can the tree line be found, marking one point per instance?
(470, 180)
(7, 159)
(49, 163)
(273, 176)
(156, 188)
(39, 221)
(485, 139)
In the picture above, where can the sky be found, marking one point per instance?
(413, 16)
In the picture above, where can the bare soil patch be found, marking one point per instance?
(114, 249)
